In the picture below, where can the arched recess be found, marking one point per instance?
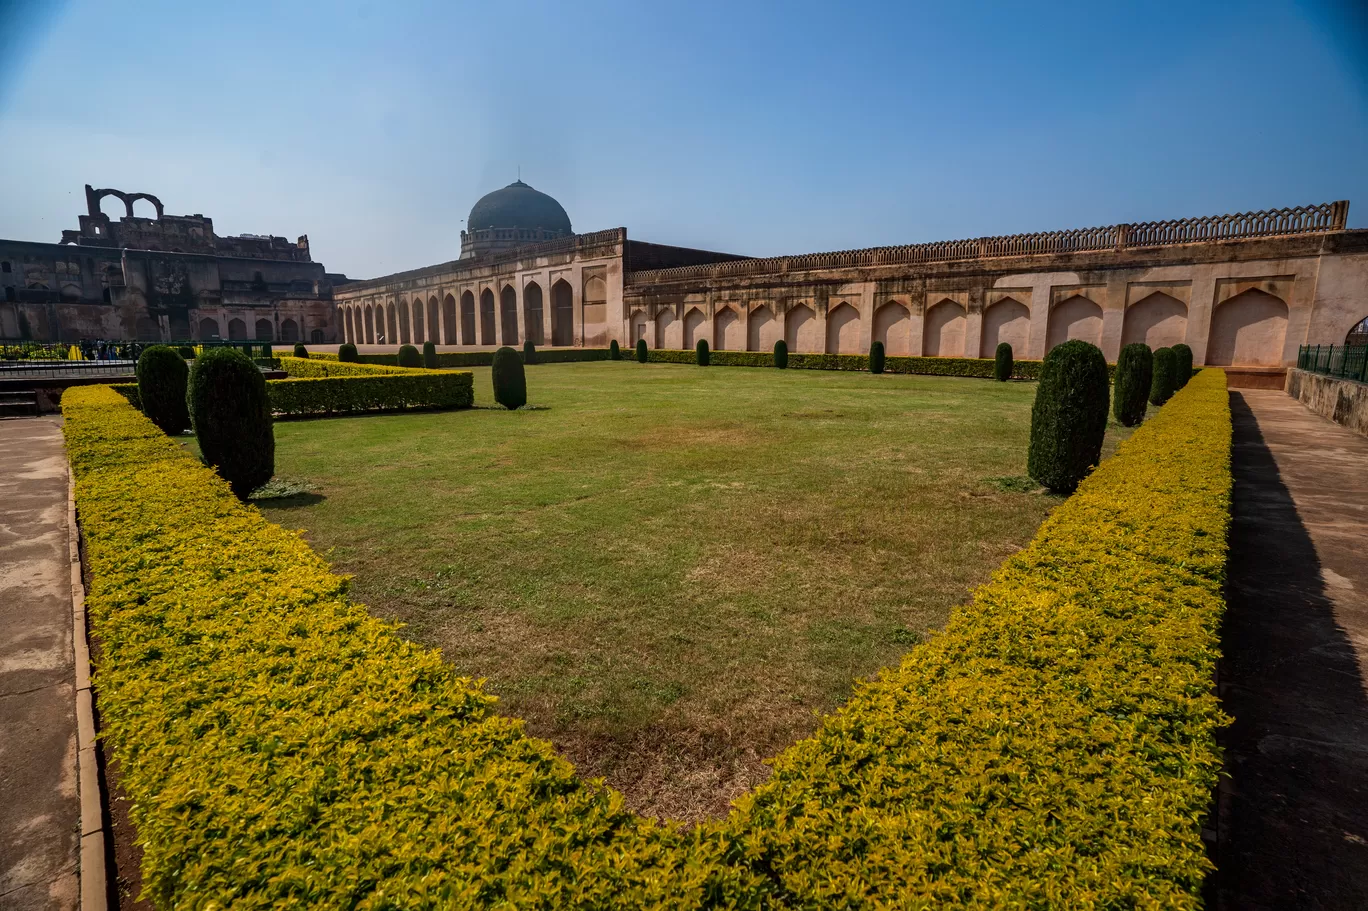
(419, 322)
(265, 332)
(404, 337)
(944, 332)
(508, 314)
(391, 324)
(1158, 320)
(1248, 331)
(488, 335)
(663, 321)
(468, 336)
(695, 327)
(639, 322)
(562, 313)
(208, 328)
(434, 319)
(726, 332)
(369, 335)
(1007, 320)
(1075, 318)
(533, 313)
(762, 330)
(843, 330)
(289, 330)
(801, 333)
(237, 330)
(893, 327)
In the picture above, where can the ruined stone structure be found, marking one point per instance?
(168, 278)
(1242, 290)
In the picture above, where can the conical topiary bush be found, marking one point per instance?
(1069, 417)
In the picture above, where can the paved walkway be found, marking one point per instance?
(1294, 822)
(39, 812)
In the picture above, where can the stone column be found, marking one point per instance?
(1040, 318)
(1199, 314)
(973, 323)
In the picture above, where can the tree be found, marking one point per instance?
(641, 351)
(1002, 362)
(409, 356)
(231, 415)
(1183, 367)
(1069, 417)
(347, 354)
(702, 356)
(430, 355)
(781, 354)
(162, 379)
(510, 382)
(529, 352)
(1165, 380)
(876, 357)
(1130, 390)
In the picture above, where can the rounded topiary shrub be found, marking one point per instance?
(162, 376)
(641, 351)
(300, 350)
(1165, 379)
(430, 355)
(529, 352)
(1002, 362)
(781, 354)
(876, 357)
(1182, 365)
(614, 352)
(347, 353)
(1069, 417)
(702, 356)
(409, 356)
(186, 352)
(1131, 387)
(510, 382)
(232, 419)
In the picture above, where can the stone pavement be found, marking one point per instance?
(39, 810)
(1294, 816)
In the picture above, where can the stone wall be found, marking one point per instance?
(1343, 401)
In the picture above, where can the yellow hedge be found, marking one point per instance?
(1054, 747)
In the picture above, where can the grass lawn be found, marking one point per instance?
(667, 570)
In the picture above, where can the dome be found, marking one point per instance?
(518, 206)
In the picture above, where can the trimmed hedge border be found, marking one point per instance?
(321, 388)
(1053, 746)
(447, 359)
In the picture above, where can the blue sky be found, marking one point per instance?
(748, 127)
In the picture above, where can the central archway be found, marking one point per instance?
(1248, 331)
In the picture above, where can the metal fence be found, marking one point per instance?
(1348, 362)
(28, 352)
(62, 370)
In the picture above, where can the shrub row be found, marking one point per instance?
(1053, 747)
(929, 366)
(448, 359)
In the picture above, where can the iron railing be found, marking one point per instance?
(1348, 362)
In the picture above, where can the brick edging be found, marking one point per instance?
(94, 877)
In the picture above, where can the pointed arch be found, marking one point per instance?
(639, 324)
(405, 334)
(488, 334)
(508, 315)
(289, 330)
(1248, 330)
(208, 328)
(726, 333)
(1075, 318)
(533, 313)
(1007, 320)
(893, 327)
(943, 335)
(762, 329)
(237, 330)
(664, 321)
(419, 321)
(265, 332)
(695, 327)
(562, 313)
(843, 329)
(434, 319)
(369, 336)
(801, 332)
(391, 324)
(1158, 320)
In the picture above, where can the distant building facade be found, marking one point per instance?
(168, 278)
(1242, 290)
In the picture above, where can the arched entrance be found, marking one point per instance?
(943, 335)
(289, 331)
(1076, 319)
(468, 318)
(508, 314)
(487, 334)
(800, 330)
(208, 328)
(237, 330)
(419, 324)
(264, 330)
(562, 314)
(1159, 321)
(532, 313)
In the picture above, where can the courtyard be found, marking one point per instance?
(668, 571)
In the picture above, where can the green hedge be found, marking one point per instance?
(447, 359)
(927, 366)
(1054, 746)
(319, 388)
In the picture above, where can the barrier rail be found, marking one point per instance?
(1348, 362)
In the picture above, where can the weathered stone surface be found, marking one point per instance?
(1343, 401)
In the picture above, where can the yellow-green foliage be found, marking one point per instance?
(320, 365)
(1053, 747)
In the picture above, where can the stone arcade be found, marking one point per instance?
(1243, 290)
